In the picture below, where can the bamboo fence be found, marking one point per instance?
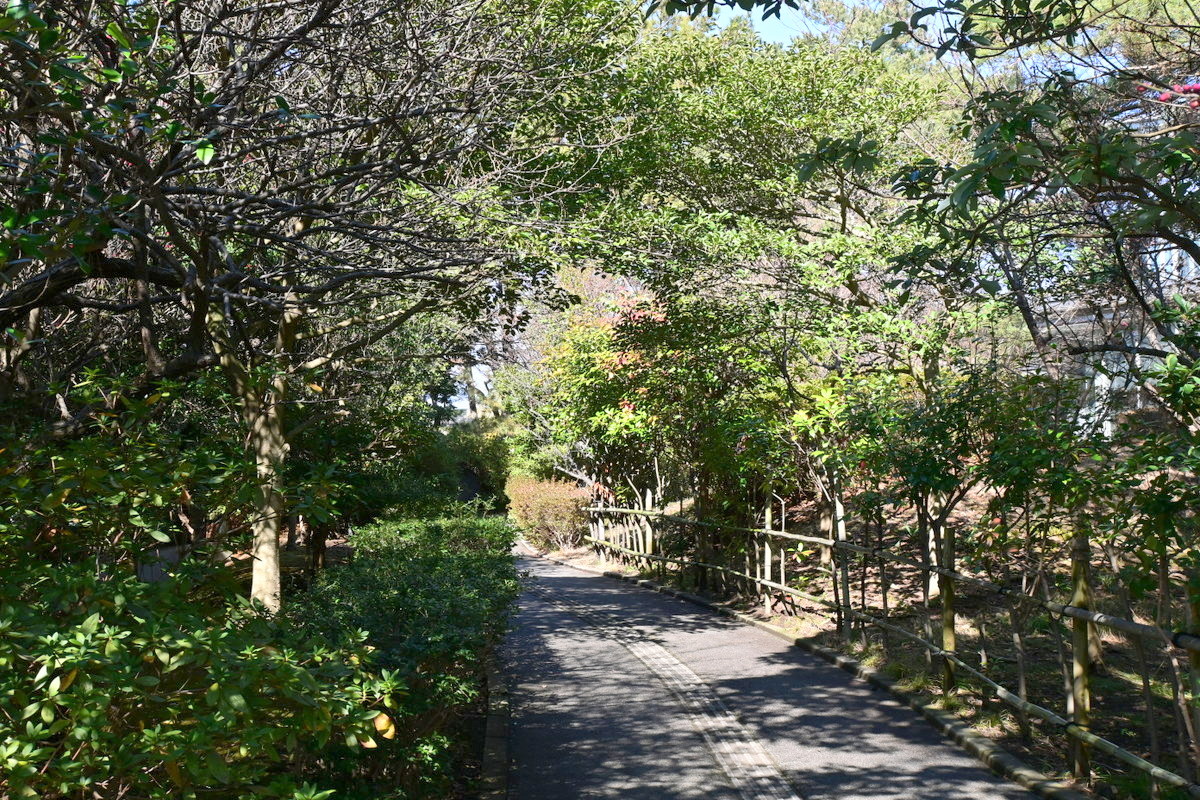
(759, 566)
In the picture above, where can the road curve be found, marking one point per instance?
(619, 692)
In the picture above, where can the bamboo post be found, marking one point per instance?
(614, 536)
(767, 557)
(649, 540)
(640, 535)
(783, 557)
(619, 537)
(662, 565)
(748, 583)
(643, 538)
(757, 545)
(926, 573)
(1193, 607)
(884, 582)
(839, 524)
(946, 589)
(985, 700)
(632, 532)
(633, 537)
(623, 538)
(627, 539)
(864, 565)
(1081, 696)
(603, 537)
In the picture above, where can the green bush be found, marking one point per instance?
(549, 512)
(433, 596)
(114, 688)
(113, 493)
(397, 490)
(481, 446)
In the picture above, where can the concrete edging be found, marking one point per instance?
(992, 755)
(494, 767)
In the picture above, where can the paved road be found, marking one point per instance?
(619, 692)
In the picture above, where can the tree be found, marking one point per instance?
(270, 189)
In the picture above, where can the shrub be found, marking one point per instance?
(397, 490)
(113, 493)
(481, 446)
(433, 597)
(549, 512)
(110, 688)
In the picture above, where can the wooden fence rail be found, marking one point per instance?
(1179, 639)
(631, 534)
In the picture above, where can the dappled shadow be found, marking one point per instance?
(612, 597)
(588, 720)
(832, 734)
(838, 737)
(932, 782)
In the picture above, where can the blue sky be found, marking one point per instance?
(778, 30)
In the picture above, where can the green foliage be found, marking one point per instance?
(122, 488)
(432, 596)
(177, 688)
(820, 279)
(390, 489)
(481, 447)
(549, 512)
(113, 687)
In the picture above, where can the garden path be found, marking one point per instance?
(619, 692)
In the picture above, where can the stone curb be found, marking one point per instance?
(494, 769)
(994, 756)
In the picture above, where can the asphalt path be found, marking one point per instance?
(620, 692)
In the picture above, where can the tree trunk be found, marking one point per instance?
(825, 523)
(930, 531)
(317, 548)
(270, 449)
(290, 544)
(262, 407)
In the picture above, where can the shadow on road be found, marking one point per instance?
(593, 722)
